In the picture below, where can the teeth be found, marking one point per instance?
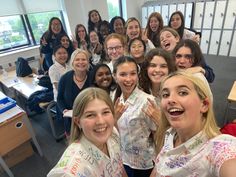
(101, 129)
(174, 110)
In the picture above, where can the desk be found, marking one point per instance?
(231, 99)
(16, 130)
(22, 87)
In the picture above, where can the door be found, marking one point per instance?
(225, 42)
(144, 16)
(214, 44)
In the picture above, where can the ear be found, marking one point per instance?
(114, 76)
(77, 121)
(205, 105)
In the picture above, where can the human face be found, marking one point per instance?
(93, 37)
(61, 56)
(97, 122)
(119, 26)
(154, 24)
(115, 49)
(80, 63)
(81, 32)
(104, 30)
(94, 17)
(182, 106)
(137, 49)
(168, 41)
(127, 77)
(103, 77)
(133, 30)
(65, 42)
(157, 70)
(56, 26)
(184, 58)
(176, 21)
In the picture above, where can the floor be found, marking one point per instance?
(36, 166)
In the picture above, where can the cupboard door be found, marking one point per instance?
(214, 44)
(165, 14)
(188, 15)
(208, 17)
(181, 7)
(230, 15)
(233, 46)
(219, 14)
(157, 9)
(205, 41)
(144, 16)
(172, 9)
(225, 42)
(198, 15)
(150, 10)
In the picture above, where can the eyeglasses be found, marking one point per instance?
(110, 49)
(186, 56)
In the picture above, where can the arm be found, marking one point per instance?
(209, 73)
(228, 168)
(60, 95)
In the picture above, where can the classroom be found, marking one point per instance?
(36, 129)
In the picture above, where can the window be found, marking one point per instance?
(39, 23)
(12, 32)
(114, 8)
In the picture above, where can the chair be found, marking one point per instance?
(231, 101)
(57, 125)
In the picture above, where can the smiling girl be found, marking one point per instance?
(94, 148)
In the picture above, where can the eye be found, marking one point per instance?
(90, 116)
(153, 65)
(183, 93)
(164, 94)
(164, 66)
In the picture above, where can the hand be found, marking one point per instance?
(119, 108)
(196, 38)
(74, 42)
(43, 41)
(144, 36)
(196, 69)
(153, 111)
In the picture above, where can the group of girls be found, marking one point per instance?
(119, 105)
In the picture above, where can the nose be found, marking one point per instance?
(171, 99)
(99, 119)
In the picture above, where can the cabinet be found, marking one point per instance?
(216, 20)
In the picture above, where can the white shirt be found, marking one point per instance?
(198, 157)
(137, 146)
(83, 159)
(55, 72)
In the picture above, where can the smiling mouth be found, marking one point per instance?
(101, 130)
(175, 111)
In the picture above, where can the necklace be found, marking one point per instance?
(79, 81)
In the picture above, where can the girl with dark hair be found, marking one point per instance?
(48, 39)
(135, 127)
(170, 38)
(177, 22)
(117, 25)
(101, 77)
(94, 19)
(104, 30)
(81, 37)
(137, 49)
(157, 65)
(134, 30)
(64, 40)
(153, 28)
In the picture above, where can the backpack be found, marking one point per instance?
(45, 82)
(22, 67)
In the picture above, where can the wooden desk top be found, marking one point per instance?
(24, 85)
(232, 94)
